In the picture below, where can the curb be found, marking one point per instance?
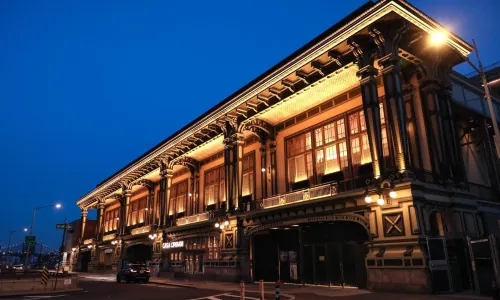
(174, 284)
(2, 295)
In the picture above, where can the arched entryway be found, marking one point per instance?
(139, 253)
(324, 252)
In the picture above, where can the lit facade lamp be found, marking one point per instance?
(153, 236)
(89, 246)
(73, 249)
(384, 191)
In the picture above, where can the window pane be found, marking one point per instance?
(382, 114)
(356, 151)
(309, 167)
(291, 170)
(329, 133)
(332, 160)
(362, 121)
(385, 144)
(318, 134)
(366, 156)
(341, 129)
(353, 123)
(245, 190)
(320, 162)
(300, 168)
(343, 155)
(308, 141)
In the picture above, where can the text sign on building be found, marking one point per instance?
(170, 245)
(107, 251)
(64, 226)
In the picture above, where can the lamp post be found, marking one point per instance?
(57, 205)
(439, 38)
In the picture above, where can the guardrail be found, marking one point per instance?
(312, 193)
(194, 218)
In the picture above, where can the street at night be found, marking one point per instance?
(96, 287)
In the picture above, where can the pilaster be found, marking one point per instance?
(263, 171)
(83, 223)
(238, 144)
(274, 175)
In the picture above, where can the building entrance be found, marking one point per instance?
(329, 253)
(139, 253)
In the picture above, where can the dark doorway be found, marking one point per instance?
(85, 260)
(139, 253)
(329, 253)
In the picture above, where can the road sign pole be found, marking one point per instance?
(61, 253)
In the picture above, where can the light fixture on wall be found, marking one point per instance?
(223, 222)
(73, 249)
(384, 191)
(89, 246)
(153, 236)
(114, 242)
(190, 195)
(263, 170)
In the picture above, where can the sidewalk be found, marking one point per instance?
(268, 287)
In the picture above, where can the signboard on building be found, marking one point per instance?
(170, 245)
(109, 250)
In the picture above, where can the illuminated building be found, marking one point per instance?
(341, 160)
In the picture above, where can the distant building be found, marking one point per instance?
(73, 239)
(362, 159)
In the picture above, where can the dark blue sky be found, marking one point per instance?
(87, 86)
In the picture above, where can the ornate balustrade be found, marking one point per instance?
(312, 193)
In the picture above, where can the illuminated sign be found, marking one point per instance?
(170, 245)
(107, 251)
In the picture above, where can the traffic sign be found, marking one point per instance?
(29, 240)
(64, 226)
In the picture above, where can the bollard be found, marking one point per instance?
(242, 290)
(277, 290)
(261, 289)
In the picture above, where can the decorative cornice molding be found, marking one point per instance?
(366, 18)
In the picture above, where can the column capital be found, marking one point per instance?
(84, 212)
(166, 173)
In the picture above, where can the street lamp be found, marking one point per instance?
(439, 38)
(57, 205)
(10, 236)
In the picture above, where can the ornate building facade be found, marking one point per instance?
(339, 165)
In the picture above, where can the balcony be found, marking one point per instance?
(194, 219)
(88, 241)
(313, 193)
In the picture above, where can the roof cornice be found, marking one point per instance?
(364, 19)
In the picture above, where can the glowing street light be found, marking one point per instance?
(57, 206)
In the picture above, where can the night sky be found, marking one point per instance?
(88, 86)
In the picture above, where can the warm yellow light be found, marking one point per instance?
(368, 199)
(226, 223)
(221, 226)
(438, 38)
(263, 170)
(217, 225)
(380, 201)
(392, 194)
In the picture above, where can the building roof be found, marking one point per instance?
(350, 25)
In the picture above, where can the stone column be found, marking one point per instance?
(162, 201)
(100, 220)
(83, 222)
(149, 218)
(274, 175)
(371, 108)
(239, 143)
(168, 184)
(263, 164)
(395, 107)
(124, 202)
(228, 171)
(429, 88)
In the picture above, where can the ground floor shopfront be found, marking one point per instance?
(422, 241)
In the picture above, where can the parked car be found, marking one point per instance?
(18, 267)
(133, 272)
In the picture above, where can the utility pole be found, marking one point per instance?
(480, 70)
(61, 252)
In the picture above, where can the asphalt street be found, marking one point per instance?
(108, 289)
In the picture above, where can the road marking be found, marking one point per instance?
(239, 296)
(34, 297)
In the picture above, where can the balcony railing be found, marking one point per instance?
(194, 218)
(312, 193)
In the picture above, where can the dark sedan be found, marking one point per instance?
(133, 272)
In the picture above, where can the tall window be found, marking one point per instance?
(214, 186)
(178, 197)
(111, 218)
(248, 173)
(213, 248)
(331, 148)
(137, 211)
(360, 147)
(299, 158)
